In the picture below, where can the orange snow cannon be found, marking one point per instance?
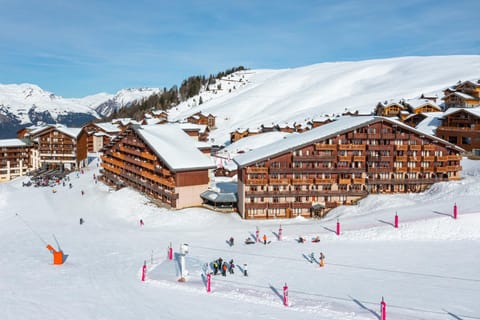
(57, 255)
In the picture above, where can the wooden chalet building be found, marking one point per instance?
(339, 163)
(461, 126)
(416, 106)
(59, 147)
(200, 118)
(389, 109)
(238, 134)
(159, 160)
(99, 134)
(465, 94)
(196, 131)
(14, 159)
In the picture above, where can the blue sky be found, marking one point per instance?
(76, 48)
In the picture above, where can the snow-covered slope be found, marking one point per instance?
(299, 94)
(425, 269)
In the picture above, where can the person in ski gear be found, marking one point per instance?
(245, 273)
(312, 257)
(215, 267)
(70, 185)
(231, 266)
(141, 223)
(82, 192)
(230, 241)
(316, 239)
(224, 269)
(322, 258)
(81, 221)
(264, 239)
(301, 239)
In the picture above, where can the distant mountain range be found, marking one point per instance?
(24, 104)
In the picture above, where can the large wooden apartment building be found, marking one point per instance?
(56, 146)
(100, 134)
(461, 126)
(14, 159)
(340, 163)
(160, 160)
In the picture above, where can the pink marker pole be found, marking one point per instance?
(209, 279)
(280, 230)
(257, 235)
(396, 220)
(338, 227)
(455, 212)
(383, 310)
(285, 295)
(144, 270)
(170, 252)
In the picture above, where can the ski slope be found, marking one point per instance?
(426, 269)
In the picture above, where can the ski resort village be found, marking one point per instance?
(342, 190)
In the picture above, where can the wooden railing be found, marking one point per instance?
(325, 181)
(345, 158)
(257, 170)
(111, 168)
(359, 158)
(400, 169)
(351, 147)
(302, 181)
(401, 147)
(401, 158)
(166, 182)
(322, 146)
(257, 181)
(359, 181)
(344, 181)
(428, 147)
(429, 158)
(415, 147)
(279, 181)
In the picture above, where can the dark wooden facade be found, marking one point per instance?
(377, 157)
(97, 136)
(462, 128)
(14, 159)
(61, 148)
(130, 161)
(200, 118)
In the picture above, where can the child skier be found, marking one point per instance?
(322, 258)
(231, 267)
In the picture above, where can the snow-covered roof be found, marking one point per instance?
(192, 126)
(218, 197)
(152, 120)
(72, 132)
(475, 111)
(107, 127)
(174, 146)
(461, 95)
(388, 103)
(12, 143)
(331, 129)
(418, 103)
(432, 121)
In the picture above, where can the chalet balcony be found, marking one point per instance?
(379, 147)
(302, 181)
(359, 181)
(301, 205)
(255, 205)
(278, 205)
(441, 169)
(374, 136)
(359, 158)
(111, 168)
(428, 147)
(345, 158)
(322, 146)
(257, 181)
(351, 147)
(414, 158)
(257, 170)
(449, 158)
(163, 171)
(429, 158)
(389, 136)
(445, 129)
(454, 168)
(325, 181)
(344, 181)
(379, 169)
(314, 158)
(428, 169)
(148, 156)
(401, 147)
(402, 136)
(166, 182)
(400, 169)
(404, 181)
(133, 142)
(386, 158)
(415, 147)
(414, 169)
(331, 204)
(401, 158)
(349, 170)
(112, 161)
(278, 181)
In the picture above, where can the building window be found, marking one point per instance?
(466, 140)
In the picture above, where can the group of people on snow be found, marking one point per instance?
(222, 266)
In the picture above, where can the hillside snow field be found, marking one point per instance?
(248, 99)
(425, 269)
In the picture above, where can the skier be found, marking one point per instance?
(312, 257)
(322, 258)
(82, 192)
(70, 185)
(215, 267)
(245, 270)
(141, 223)
(265, 239)
(301, 239)
(231, 267)
(224, 269)
(230, 241)
(249, 241)
(316, 239)
(81, 221)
